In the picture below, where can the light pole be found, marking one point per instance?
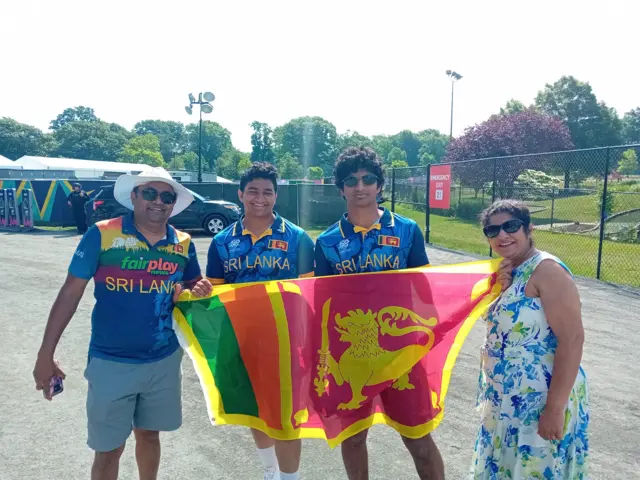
(206, 107)
(454, 77)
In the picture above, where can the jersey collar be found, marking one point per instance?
(347, 228)
(277, 226)
(129, 228)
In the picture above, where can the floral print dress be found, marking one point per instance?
(516, 369)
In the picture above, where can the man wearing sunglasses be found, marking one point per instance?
(263, 246)
(369, 238)
(138, 263)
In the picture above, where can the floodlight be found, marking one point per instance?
(206, 108)
(192, 99)
(189, 110)
(209, 97)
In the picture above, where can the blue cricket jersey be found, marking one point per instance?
(282, 252)
(393, 243)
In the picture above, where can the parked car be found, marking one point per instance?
(212, 216)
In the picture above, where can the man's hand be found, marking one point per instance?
(504, 274)
(202, 288)
(45, 369)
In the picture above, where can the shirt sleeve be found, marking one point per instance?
(305, 256)
(215, 272)
(322, 267)
(418, 253)
(84, 262)
(192, 270)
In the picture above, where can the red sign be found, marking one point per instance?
(440, 186)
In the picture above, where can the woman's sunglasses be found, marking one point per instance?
(510, 226)
(150, 195)
(368, 179)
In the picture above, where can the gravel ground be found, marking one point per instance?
(48, 440)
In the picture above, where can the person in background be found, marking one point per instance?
(263, 246)
(139, 264)
(76, 200)
(349, 247)
(533, 393)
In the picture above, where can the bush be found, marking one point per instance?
(609, 203)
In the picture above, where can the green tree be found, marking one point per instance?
(609, 201)
(409, 142)
(215, 141)
(382, 144)
(262, 143)
(70, 115)
(19, 139)
(315, 173)
(312, 140)
(434, 143)
(631, 126)
(288, 167)
(232, 164)
(401, 165)
(512, 106)
(353, 139)
(244, 163)
(172, 136)
(590, 123)
(184, 161)
(91, 140)
(628, 163)
(397, 155)
(427, 159)
(144, 149)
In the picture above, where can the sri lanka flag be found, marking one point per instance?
(329, 357)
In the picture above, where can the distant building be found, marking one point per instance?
(95, 169)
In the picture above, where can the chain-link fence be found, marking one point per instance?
(588, 218)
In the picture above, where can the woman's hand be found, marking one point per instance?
(551, 424)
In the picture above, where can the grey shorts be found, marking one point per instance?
(123, 396)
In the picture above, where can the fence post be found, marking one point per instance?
(393, 190)
(603, 213)
(553, 204)
(427, 209)
(493, 192)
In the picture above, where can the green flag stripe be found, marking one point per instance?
(212, 327)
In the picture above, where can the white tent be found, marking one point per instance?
(82, 168)
(6, 163)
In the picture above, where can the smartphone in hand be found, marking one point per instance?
(55, 386)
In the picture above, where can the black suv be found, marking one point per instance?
(212, 216)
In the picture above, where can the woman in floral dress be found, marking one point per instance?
(533, 394)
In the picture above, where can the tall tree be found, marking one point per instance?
(76, 114)
(382, 144)
(502, 135)
(232, 163)
(591, 124)
(19, 139)
(353, 139)
(289, 168)
(512, 106)
(262, 143)
(215, 141)
(434, 146)
(631, 126)
(91, 140)
(144, 149)
(397, 155)
(172, 136)
(410, 143)
(312, 141)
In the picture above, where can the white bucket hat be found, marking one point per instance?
(126, 183)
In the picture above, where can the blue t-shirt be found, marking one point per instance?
(131, 320)
(393, 243)
(282, 252)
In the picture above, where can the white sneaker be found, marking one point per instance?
(271, 474)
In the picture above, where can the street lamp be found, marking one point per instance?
(454, 77)
(204, 100)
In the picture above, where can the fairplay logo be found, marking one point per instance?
(153, 267)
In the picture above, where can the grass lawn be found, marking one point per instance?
(620, 261)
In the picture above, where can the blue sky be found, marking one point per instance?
(373, 67)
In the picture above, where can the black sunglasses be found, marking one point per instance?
(368, 179)
(510, 226)
(150, 195)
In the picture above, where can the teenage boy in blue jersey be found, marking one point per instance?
(369, 238)
(263, 246)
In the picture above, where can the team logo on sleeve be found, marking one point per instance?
(179, 248)
(389, 241)
(279, 245)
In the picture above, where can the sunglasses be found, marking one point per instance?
(368, 179)
(150, 195)
(510, 226)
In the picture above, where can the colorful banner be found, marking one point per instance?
(440, 186)
(4, 214)
(329, 357)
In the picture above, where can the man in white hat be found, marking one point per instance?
(139, 264)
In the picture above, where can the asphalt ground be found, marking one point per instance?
(42, 440)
